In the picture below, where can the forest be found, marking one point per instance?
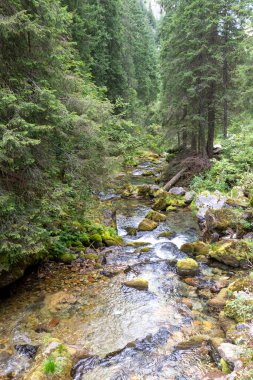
(126, 189)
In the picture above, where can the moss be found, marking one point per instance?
(147, 173)
(155, 216)
(171, 208)
(91, 256)
(137, 244)
(195, 248)
(147, 225)
(224, 366)
(67, 257)
(242, 284)
(138, 283)
(167, 234)
(145, 250)
(187, 264)
(240, 308)
(232, 252)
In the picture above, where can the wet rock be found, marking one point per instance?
(195, 341)
(155, 216)
(137, 283)
(235, 253)
(177, 191)
(187, 302)
(227, 324)
(132, 231)
(148, 173)
(187, 267)
(137, 244)
(147, 191)
(207, 200)
(55, 352)
(222, 219)
(27, 349)
(248, 236)
(219, 301)
(231, 353)
(168, 234)
(59, 301)
(147, 225)
(189, 196)
(191, 281)
(195, 248)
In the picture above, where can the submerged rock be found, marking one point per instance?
(231, 353)
(187, 267)
(147, 225)
(137, 283)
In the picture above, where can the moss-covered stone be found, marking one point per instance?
(171, 208)
(132, 231)
(195, 248)
(91, 256)
(137, 283)
(147, 225)
(155, 216)
(187, 267)
(137, 244)
(240, 308)
(236, 253)
(67, 257)
(167, 234)
(148, 173)
(54, 360)
(145, 250)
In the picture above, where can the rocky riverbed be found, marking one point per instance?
(165, 305)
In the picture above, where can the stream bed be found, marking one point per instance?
(124, 333)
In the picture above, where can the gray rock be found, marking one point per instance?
(231, 353)
(189, 196)
(177, 191)
(249, 236)
(207, 200)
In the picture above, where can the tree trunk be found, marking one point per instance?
(202, 134)
(185, 138)
(211, 120)
(225, 79)
(174, 179)
(194, 142)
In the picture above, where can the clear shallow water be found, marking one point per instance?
(129, 334)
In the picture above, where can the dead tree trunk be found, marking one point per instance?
(174, 180)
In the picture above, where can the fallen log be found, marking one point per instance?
(174, 179)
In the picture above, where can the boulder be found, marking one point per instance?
(137, 283)
(235, 253)
(220, 220)
(189, 196)
(207, 200)
(177, 191)
(155, 216)
(195, 248)
(187, 267)
(132, 231)
(219, 301)
(231, 353)
(147, 225)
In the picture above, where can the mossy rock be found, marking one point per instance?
(137, 283)
(132, 231)
(196, 248)
(148, 173)
(167, 234)
(91, 256)
(240, 308)
(221, 219)
(171, 208)
(145, 250)
(187, 267)
(67, 257)
(155, 216)
(235, 253)
(160, 204)
(96, 239)
(137, 244)
(147, 225)
(113, 240)
(242, 284)
(54, 360)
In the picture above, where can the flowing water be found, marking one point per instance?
(125, 333)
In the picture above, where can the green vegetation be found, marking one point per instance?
(76, 80)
